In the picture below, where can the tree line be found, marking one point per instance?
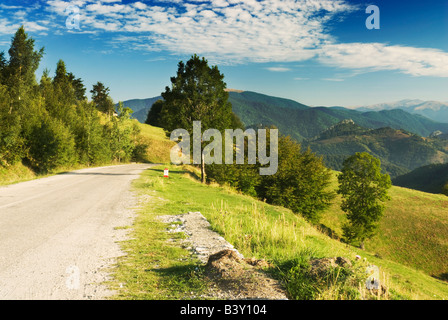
(302, 182)
(50, 123)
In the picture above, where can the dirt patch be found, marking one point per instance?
(242, 278)
(232, 275)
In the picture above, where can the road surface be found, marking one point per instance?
(58, 234)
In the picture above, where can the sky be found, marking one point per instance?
(317, 52)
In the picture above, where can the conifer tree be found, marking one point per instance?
(21, 68)
(101, 98)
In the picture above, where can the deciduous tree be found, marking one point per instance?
(364, 189)
(197, 93)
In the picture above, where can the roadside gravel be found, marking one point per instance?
(232, 275)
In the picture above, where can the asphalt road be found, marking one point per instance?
(58, 235)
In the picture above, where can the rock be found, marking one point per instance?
(260, 263)
(343, 262)
(319, 267)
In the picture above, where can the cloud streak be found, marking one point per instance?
(378, 56)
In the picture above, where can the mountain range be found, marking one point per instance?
(303, 122)
(434, 110)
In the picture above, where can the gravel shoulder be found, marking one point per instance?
(231, 274)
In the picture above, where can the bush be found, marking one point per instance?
(51, 145)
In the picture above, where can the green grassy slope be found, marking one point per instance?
(413, 231)
(258, 230)
(158, 144)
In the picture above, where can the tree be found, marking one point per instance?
(23, 62)
(11, 141)
(364, 190)
(301, 183)
(61, 73)
(101, 98)
(51, 145)
(197, 93)
(153, 117)
(3, 65)
(123, 132)
(78, 86)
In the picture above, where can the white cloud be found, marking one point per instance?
(278, 69)
(3, 6)
(378, 56)
(226, 30)
(333, 79)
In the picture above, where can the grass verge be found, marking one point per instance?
(157, 267)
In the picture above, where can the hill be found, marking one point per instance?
(412, 232)
(303, 122)
(431, 178)
(399, 151)
(401, 147)
(140, 107)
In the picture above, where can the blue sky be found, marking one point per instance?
(317, 52)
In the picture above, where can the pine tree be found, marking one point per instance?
(21, 68)
(60, 77)
(102, 100)
(78, 86)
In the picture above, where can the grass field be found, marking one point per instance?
(158, 144)
(160, 269)
(413, 231)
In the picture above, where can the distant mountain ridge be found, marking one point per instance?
(432, 178)
(434, 110)
(140, 107)
(303, 122)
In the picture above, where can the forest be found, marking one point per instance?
(50, 123)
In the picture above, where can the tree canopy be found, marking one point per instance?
(197, 93)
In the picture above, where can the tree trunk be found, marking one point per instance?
(202, 168)
(361, 245)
